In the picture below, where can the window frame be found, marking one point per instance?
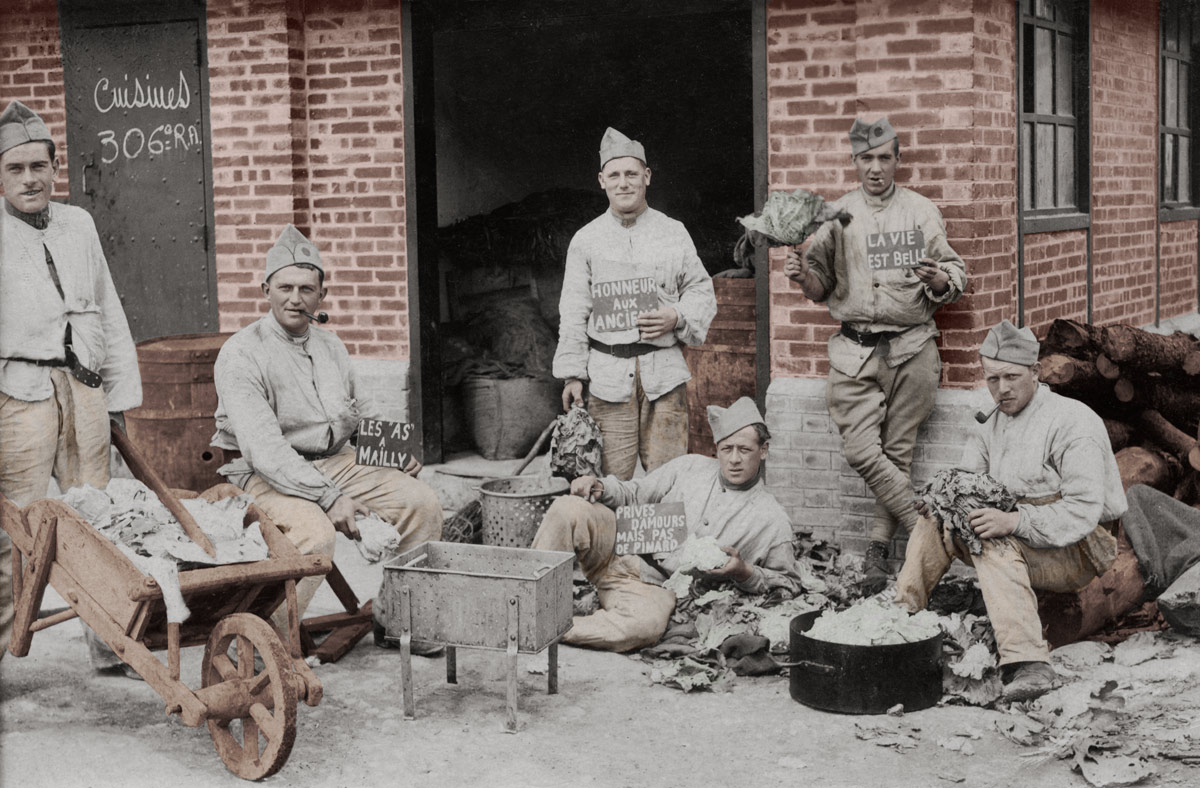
(1071, 17)
(1189, 209)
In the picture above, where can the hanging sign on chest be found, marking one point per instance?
(900, 249)
(650, 528)
(617, 304)
(387, 444)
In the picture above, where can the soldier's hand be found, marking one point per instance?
(993, 523)
(572, 393)
(587, 487)
(658, 323)
(413, 467)
(929, 273)
(796, 266)
(921, 507)
(735, 568)
(341, 514)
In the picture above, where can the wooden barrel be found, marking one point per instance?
(175, 422)
(723, 368)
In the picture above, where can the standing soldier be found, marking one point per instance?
(635, 374)
(67, 360)
(883, 275)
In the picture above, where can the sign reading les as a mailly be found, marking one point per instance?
(617, 304)
(387, 444)
(900, 249)
(650, 528)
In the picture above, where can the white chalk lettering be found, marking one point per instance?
(107, 96)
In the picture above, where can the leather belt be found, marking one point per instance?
(623, 351)
(868, 338)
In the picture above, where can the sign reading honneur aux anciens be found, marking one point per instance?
(650, 528)
(902, 249)
(387, 444)
(617, 304)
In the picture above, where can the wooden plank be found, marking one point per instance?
(236, 576)
(25, 608)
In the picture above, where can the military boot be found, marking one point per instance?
(1030, 680)
(875, 568)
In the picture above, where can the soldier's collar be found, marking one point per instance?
(38, 221)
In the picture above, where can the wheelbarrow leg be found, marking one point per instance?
(406, 678)
(33, 587)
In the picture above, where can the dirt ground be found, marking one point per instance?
(608, 726)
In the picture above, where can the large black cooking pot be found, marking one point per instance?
(862, 679)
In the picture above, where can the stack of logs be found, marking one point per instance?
(1146, 387)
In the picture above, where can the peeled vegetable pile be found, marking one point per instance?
(951, 495)
(874, 623)
(130, 516)
(785, 220)
(698, 555)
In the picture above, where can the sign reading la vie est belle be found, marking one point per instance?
(387, 444)
(650, 528)
(901, 249)
(617, 304)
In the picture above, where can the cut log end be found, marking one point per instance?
(1124, 390)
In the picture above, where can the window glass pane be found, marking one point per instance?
(1170, 27)
(1168, 167)
(1043, 166)
(1028, 69)
(1170, 92)
(1063, 68)
(1026, 169)
(1185, 176)
(1043, 8)
(1185, 119)
(1043, 63)
(1185, 33)
(1064, 163)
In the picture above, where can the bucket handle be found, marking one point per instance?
(541, 570)
(815, 667)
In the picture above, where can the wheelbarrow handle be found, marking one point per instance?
(537, 446)
(147, 475)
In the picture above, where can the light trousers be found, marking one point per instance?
(633, 614)
(878, 413)
(407, 503)
(65, 436)
(655, 430)
(1008, 571)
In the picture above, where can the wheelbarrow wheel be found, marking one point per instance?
(253, 717)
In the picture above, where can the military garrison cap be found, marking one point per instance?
(726, 421)
(19, 125)
(1006, 342)
(616, 145)
(292, 248)
(864, 136)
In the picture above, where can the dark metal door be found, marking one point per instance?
(137, 137)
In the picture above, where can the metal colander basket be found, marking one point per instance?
(513, 507)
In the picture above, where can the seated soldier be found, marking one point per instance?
(1053, 453)
(289, 401)
(724, 498)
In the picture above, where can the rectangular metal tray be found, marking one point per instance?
(461, 595)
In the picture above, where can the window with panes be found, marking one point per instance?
(1176, 107)
(1053, 111)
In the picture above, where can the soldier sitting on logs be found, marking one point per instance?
(1052, 453)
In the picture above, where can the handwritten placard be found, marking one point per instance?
(617, 304)
(650, 528)
(900, 249)
(387, 444)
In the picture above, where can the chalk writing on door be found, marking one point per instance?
(156, 139)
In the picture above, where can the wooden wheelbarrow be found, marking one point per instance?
(250, 710)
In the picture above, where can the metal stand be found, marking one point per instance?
(514, 617)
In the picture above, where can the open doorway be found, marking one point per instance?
(515, 97)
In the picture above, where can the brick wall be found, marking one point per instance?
(307, 117)
(942, 72)
(1055, 278)
(1124, 152)
(1178, 268)
(31, 70)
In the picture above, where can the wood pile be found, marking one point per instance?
(1146, 387)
